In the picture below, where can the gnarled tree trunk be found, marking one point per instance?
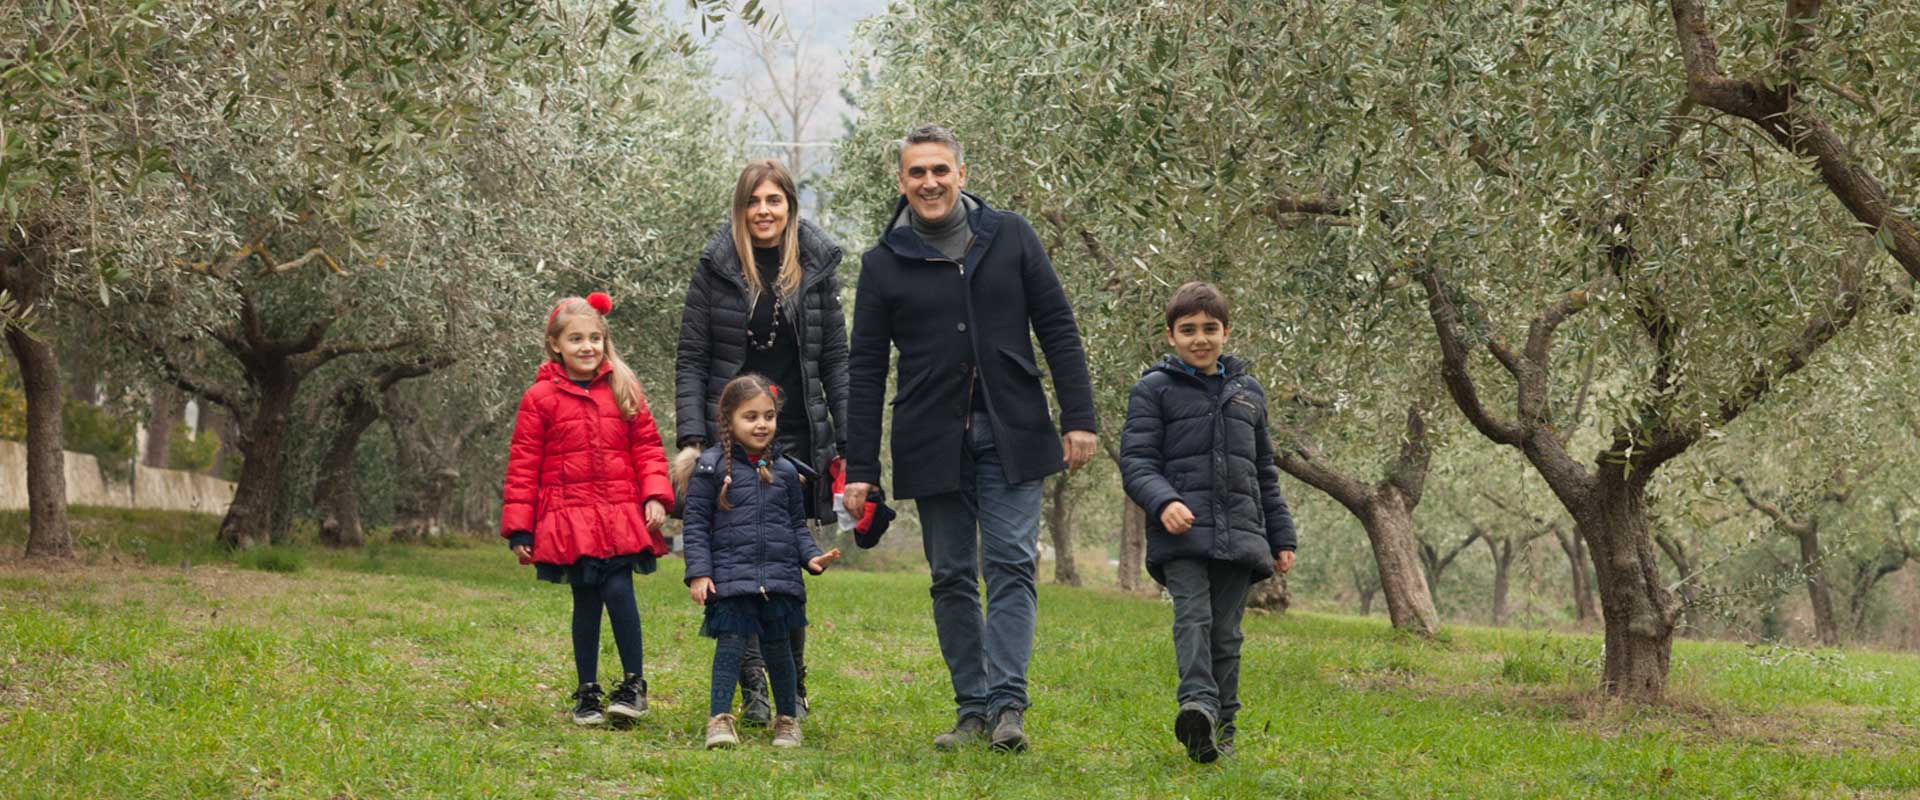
(1060, 525)
(250, 520)
(1385, 511)
(335, 494)
(1272, 594)
(1133, 547)
(48, 534)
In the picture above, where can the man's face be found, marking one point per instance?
(1197, 339)
(931, 179)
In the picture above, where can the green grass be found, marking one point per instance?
(443, 672)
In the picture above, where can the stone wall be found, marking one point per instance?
(164, 489)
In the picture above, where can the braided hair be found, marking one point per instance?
(736, 393)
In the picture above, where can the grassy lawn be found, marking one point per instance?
(156, 667)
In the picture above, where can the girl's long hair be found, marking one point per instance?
(626, 387)
(736, 393)
(758, 172)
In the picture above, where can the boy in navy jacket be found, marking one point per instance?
(1196, 455)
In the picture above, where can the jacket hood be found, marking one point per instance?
(551, 370)
(1231, 366)
(818, 252)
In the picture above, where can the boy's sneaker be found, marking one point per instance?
(587, 711)
(1010, 736)
(1194, 728)
(720, 732)
(1224, 739)
(786, 732)
(630, 700)
(969, 729)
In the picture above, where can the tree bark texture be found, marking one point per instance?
(168, 408)
(1060, 526)
(336, 494)
(48, 533)
(1133, 547)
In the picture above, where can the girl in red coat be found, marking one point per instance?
(586, 491)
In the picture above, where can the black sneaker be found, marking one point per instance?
(1194, 728)
(1224, 739)
(630, 700)
(587, 711)
(1010, 735)
(971, 728)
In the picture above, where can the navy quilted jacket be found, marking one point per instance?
(761, 545)
(1212, 453)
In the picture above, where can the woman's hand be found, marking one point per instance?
(656, 515)
(819, 563)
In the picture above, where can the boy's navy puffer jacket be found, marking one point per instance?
(1212, 453)
(761, 544)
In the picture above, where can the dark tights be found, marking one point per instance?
(727, 651)
(616, 595)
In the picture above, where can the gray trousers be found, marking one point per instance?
(1209, 598)
(989, 526)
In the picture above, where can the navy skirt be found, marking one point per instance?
(775, 615)
(590, 571)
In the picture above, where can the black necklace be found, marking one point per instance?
(773, 328)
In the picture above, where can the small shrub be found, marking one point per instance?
(272, 558)
(102, 434)
(192, 453)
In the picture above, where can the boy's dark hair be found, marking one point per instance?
(1197, 297)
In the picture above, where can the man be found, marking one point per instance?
(956, 285)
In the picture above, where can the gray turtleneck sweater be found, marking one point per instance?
(951, 235)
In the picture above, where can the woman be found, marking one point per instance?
(764, 299)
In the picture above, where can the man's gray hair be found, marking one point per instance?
(924, 133)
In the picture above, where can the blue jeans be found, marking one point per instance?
(993, 526)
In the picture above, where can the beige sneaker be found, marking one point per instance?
(786, 732)
(720, 732)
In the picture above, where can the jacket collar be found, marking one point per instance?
(551, 370)
(1231, 366)
(905, 243)
(819, 255)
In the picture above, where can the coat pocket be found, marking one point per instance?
(1023, 362)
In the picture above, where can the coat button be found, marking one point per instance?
(962, 327)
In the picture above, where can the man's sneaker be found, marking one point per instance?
(971, 728)
(630, 700)
(756, 708)
(1194, 728)
(786, 732)
(1010, 736)
(720, 732)
(587, 711)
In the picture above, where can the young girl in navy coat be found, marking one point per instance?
(746, 543)
(585, 494)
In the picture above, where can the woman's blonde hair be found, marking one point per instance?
(626, 387)
(756, 173)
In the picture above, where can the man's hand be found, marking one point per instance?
(1283, 562)
(1176, 518)
(854, 497)
(1080, 447)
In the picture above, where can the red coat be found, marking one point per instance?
(578, 474)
